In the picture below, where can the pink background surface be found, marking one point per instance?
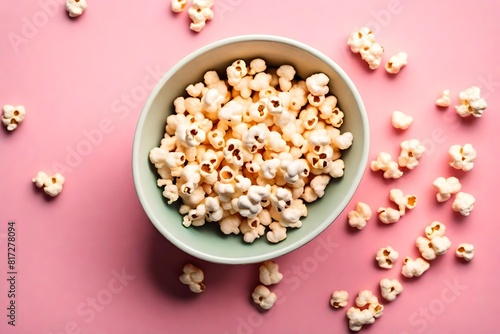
(91, 76)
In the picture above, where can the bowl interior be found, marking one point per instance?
(208, 242)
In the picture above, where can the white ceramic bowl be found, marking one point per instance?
(207, 242)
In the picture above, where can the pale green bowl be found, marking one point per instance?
(207, 242)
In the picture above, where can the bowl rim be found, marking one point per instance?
(193, 55)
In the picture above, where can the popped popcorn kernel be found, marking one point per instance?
(269, 273)
(396, 63)
(462, 157)
(360, 215)
(358, 318)
(400, 120)
(465, 251)
(263, 297)
(52, 185)
(193, 277)
(444, 100)
(388, 215)
(471, 103)
(12, 116)
(411, 151)
(390, 288)
(402, 201)
(200, 12)
(414, 268)
(446, 187)
(385, 163)
(76, 8)
(386, 257)
(363, 42)
(463, 203)
(339, 299)
(178, 6)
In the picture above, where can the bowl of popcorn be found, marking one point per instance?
(249, 148)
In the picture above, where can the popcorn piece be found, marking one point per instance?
(358, 318)
(414, 268)
(372, 55)
(390, 288)
(230, 224)
(385, 163)
(317, 84)
(360, 215)
(12, 116)
(465, 251)
(471, 103)
(440, 244)
(360, 39)
(236, 72)
(257, 65)
(76, 7)
(263, 297)
(339, 299)
(463, 203)
(402, 201)
(444, 101)
(388, 215)
(462, 157)
(386, 257)
(366, 298)
(435, 229)
(286, 73)
(251, 229)
(200, 12)
(396, 63)
(400, 120)
(411, 151)
(178, 5)
(277, 232)
(343, 141)
(193, 277)
(425, 248)
(269, 273)
(52, 185)
(446, 187)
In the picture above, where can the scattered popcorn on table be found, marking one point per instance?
(52, 185)
(385, 163)
(411, 151)
(386, 257)
(402, 201)
(263, 297)
(200, 12)
(238, 147)
(462, 157)
(178, 5)
(396, 63)
(446, 187)
(193, 277)
(471, 103)
(414, 268)
(363, 42)
(76, 7)
(463, 203)
(12, 116)
(360, 215)
(390, 288)
(400, 120)
(339, 298)
(269, 273)
(444, 101)
(465, 251)
(388, 215)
